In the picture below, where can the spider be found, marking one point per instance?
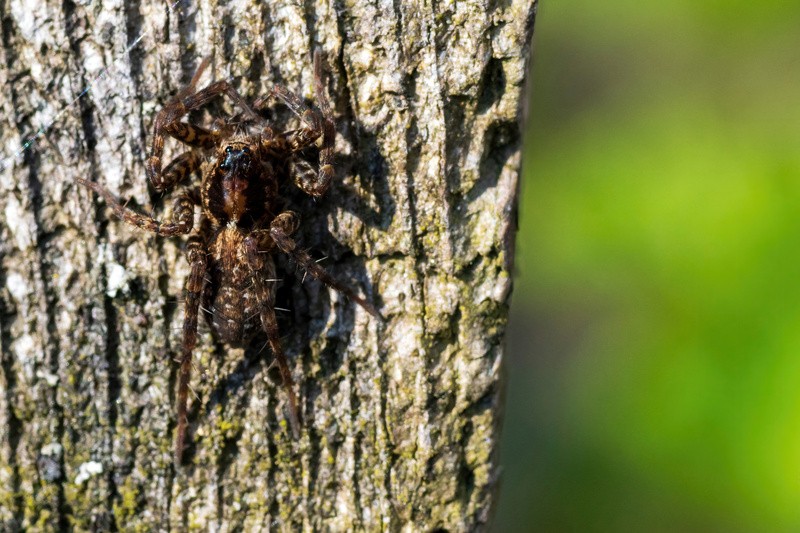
(242, 224)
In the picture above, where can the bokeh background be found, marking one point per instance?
(654, 347)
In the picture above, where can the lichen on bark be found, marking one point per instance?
(400, 418)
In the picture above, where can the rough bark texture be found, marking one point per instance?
(400, 419)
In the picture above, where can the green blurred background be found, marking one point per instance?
(654, 346)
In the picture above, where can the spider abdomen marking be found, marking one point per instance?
(234, 316)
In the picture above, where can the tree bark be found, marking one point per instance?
(400, 419)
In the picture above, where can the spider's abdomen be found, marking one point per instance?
(234, 303)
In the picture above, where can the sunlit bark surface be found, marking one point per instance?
(400, 419)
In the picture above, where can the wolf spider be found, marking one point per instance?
(242, 223)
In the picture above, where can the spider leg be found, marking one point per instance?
(167, 120)
(194, 288)
(270, 324)
(182, 214)
(305, 176)
(177, 171)
(272, 144)
(281, 230)
(263, 270)
(319, 86)
(317, 123)
(256, 246)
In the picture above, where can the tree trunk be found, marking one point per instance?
(400, 419)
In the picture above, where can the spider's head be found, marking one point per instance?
(235, 160)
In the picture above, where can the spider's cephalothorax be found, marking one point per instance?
(243, 222)
(239, 188)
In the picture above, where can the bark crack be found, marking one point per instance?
(59, 507)
(48, 306)
(113, 392)
(111, 355)
(186, 19)
(14, 429)
(358, 441)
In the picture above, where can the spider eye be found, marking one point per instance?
(246, 150)
(228, 149)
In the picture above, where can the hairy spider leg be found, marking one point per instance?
(182, 213)
(196, 255)
(281, 229)
(263, 272)
(178, 170)
(316, 123)
(319, 87)
(168, 122)
(192, 135)
(266, 298)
